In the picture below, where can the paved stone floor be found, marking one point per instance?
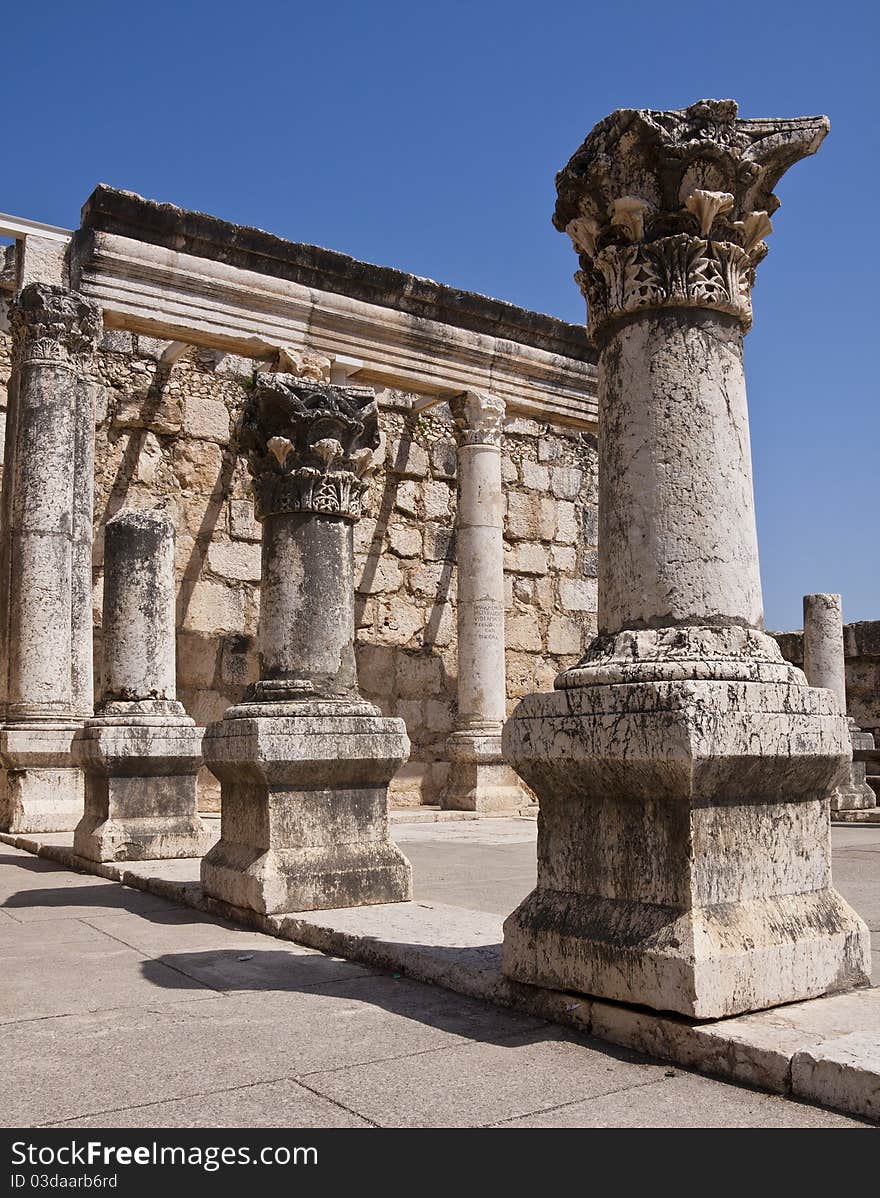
(119, 1009)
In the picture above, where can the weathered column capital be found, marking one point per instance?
(479, 418)
(309, 446)
(670, 209)
(54, 326)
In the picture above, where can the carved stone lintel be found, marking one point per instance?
(479, 418)
(51, 324)
(309, 446)
(669, 209)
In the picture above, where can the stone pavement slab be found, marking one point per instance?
(37, 890)
(477, 1084)
(279, 1014)
(266, 1104)
(220, 955)
(71, 967)
(684, 1100)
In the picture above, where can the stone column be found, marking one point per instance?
(47, 535)
(683, 769)
(479, 778)
(825, 665)
(141, 752)
(304, 763)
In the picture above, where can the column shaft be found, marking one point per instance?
(139, 613)
(824, 662)
(675, 491)
(307, 603)
(479, 545)
(479, 778)
(47, 557)
(140, 752)
(825, 666)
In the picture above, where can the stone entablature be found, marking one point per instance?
(161, 271)
(125, 214)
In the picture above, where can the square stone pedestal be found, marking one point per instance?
(304, 810)
(41, 790)
(479, 777)
(140, 794)
(854, 793)
(684, 846)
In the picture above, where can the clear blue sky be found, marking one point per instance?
(427, 137)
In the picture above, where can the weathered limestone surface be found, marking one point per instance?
(141, 752)
(861, 647)
(824, 665)
(167, 417)
(304, 763)
(683, 768)
(479, 777)
(45, 570)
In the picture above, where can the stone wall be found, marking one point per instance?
(166, 437)
(861, 647)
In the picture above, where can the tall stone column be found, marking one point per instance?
(479, 777)
(141, 752)
(825, 665)
(46, 564)
(683, 769)
(304, 763)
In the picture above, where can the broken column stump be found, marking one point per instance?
(825, 665)
(140, 752)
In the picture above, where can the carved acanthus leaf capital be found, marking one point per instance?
(644, 177)
(309, 446)
(479, 418)
(52, 324)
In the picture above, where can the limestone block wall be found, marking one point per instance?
(165, 437)
(861, 647)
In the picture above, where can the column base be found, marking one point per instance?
(706, 963)
(41, 790)
(683, 846)
(855, 794)
(479, 777)
(304, 809)
(140, 791)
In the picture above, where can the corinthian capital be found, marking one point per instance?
(51, 324)
(671, 208)
(479, 418)
(309, 446)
